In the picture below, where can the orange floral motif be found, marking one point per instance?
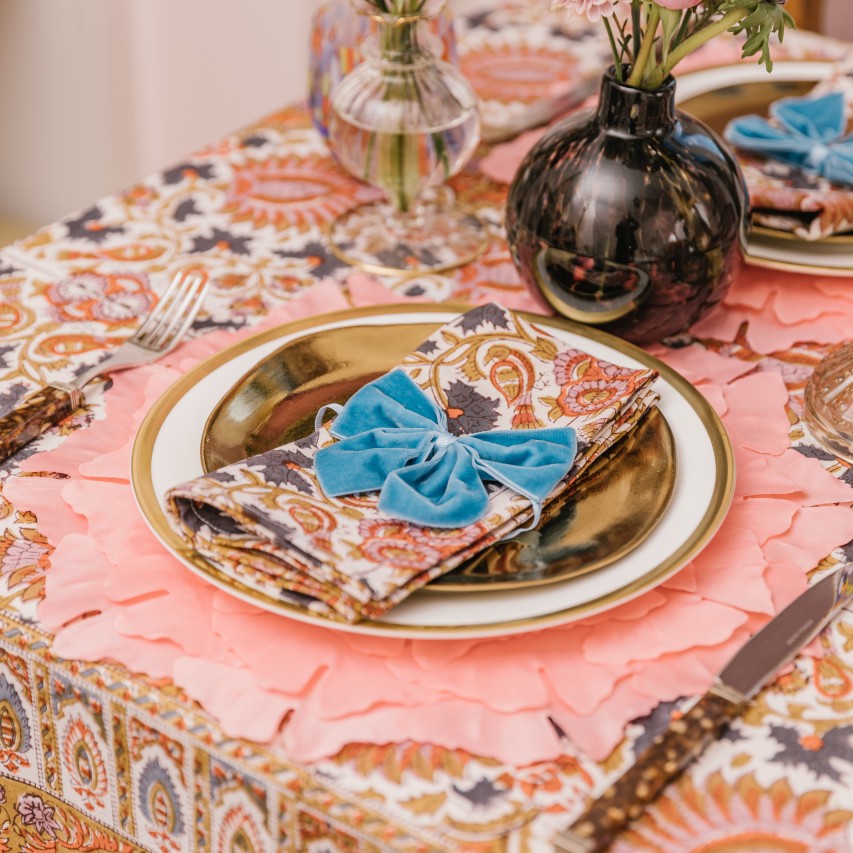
(411, 546)
(22, 557)
(723, 818)
(525, 414)
(392, 761)
(84, 764)
(595, 395)
(588, 386)
(512, 374)
(62, 346)
(400, 552)
(316, 522)
(130, 252)
(116, 300)
(238, 832)
(292, 192)
(831, 679)
(12, 317)
(524, 73)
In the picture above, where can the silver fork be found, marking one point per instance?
(161, 330)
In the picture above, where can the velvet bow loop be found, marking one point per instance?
(394, 439)
(807, 132)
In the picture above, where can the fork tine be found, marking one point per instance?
(182, 316)
(163, 305)
(176, 309)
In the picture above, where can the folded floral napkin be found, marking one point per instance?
(481, 403)
(798, 163)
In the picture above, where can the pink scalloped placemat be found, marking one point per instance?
(493, 697)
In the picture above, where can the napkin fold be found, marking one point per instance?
(267, 523)
(807, 132)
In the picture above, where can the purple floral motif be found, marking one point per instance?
(185, 209)
(307, 442)
(283, 468)
(87, 227)
(469, 411)
(471, 320)
(222, 476)
(156, 787)
(428, 347)
(35, 812)
(8, 694)
(11, 395)
(221, 238)
(834, 750)
(178, 173)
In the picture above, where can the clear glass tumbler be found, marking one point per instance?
(829, 402)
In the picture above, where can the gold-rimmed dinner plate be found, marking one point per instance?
(718, 95)
(166, 452)
(606, 514)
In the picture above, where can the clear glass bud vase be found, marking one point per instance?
(404, 121)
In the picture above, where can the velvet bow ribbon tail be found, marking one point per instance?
(394, 439)
(806, 132)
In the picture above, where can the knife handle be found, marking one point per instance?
(33, 415)
(661, 762)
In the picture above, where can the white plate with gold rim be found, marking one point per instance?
(167, 451)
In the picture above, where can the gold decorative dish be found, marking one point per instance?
(607, 513)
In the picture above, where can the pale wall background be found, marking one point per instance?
(96, 94)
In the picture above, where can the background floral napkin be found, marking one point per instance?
(267, 523)
(787, 198)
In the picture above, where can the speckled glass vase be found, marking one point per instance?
(629, 216)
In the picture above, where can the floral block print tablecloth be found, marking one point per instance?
(127, 725)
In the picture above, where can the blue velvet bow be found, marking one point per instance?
(395, 439)
(808, 133)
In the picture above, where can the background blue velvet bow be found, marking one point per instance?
(395, 439)
(808, 133)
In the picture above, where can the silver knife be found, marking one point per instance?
(776, 644)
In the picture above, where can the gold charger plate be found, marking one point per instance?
(606, 514)
(166, 452)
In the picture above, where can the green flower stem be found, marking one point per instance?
(617, 59)
(635, 29)
(398, 41)
(692, 42)
(646, 48)
(399, 38)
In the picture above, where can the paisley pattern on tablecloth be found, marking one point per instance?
(788, 759)
(784, 497)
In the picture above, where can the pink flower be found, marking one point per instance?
(593, 9)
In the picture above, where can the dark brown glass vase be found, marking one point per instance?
(630, 216)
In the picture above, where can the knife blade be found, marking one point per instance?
(761, 657)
